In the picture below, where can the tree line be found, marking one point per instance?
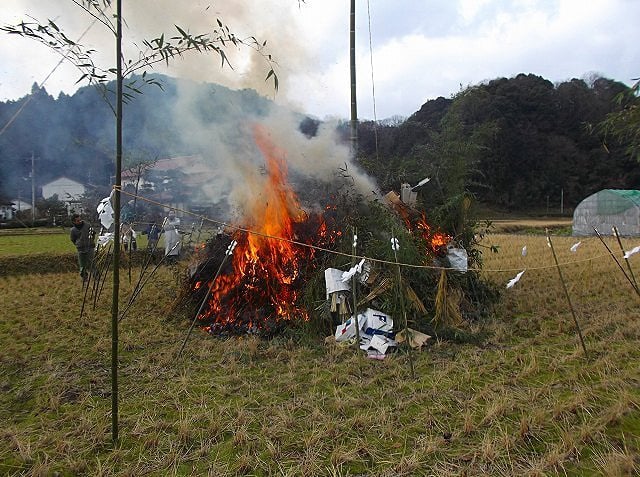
(511, 143)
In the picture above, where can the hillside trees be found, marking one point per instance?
(526, 142)
(624, 124)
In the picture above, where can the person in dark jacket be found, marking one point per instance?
(82, 236)
(153, 235)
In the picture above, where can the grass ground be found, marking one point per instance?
(525, 401)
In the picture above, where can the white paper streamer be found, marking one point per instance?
(633, 251)
(395, 244)
(524, 251)
(421, 183)
(574, 247)
(357, 268)
(231, 246)
(105, 238)
(515, 279)
(105, 213)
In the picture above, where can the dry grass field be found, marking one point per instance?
(525, 401)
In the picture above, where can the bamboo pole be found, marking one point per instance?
(566, 293)
(146, 264)
(352, 57)
(635, 287)
(353, 288)
(116, 238)
(633, 277)
(85, 285)
(103, 276)
(395, 246)
(139, 287)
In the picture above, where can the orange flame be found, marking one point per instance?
(263, 287)
(436, 240)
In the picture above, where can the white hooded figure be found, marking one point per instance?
(171, 235)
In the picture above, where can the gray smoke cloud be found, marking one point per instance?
(228, 145)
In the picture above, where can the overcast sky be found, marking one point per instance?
(420, 49)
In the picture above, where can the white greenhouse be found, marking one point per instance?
(606, 209)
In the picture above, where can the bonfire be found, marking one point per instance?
(281, 251)
(278, 243)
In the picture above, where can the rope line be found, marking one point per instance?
(349, 255)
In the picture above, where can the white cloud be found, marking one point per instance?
(421, 48)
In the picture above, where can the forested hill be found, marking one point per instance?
(515, 143)
(74, 135)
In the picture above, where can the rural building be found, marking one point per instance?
(20, 205)
(179, 182)
(68, 191)
(606, 209)
(6, 209)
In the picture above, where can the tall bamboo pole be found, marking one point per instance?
(116, 237)
(395, 246)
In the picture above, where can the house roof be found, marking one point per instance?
(62, 179)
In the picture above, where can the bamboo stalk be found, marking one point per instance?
(137, 291)
(635, 287)
(633, 277)
(395, 246)
(85, 286)
(566, 293)
(353, 288)
(103, 276)
(145, 266)
(116, 221)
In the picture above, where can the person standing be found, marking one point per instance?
(128, 235)
(171, 237)
(82, 236)
(153, 235)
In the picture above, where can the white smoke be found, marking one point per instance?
(237, 165)
(227, 145)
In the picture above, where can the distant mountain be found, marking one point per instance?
(514, 143)
(74, 135)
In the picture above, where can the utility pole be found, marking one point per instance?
(33, 190)
(354, 105)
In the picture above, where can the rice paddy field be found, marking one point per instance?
(522, 399)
